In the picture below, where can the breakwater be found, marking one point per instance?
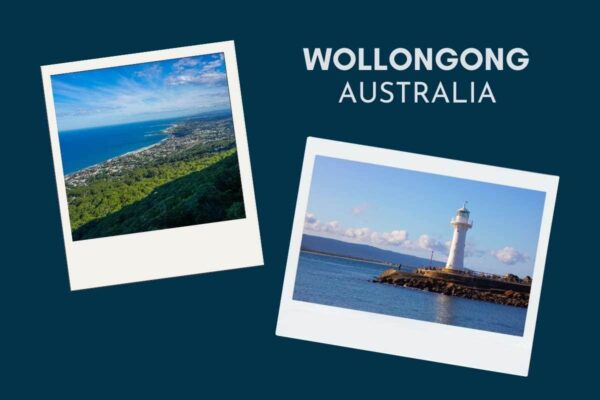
(460, 285)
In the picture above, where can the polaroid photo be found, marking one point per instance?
(417, 256)
(152, 165)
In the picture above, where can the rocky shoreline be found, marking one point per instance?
(445, 287)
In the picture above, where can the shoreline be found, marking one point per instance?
(134, 151)
(170, 130)
(131, 152)
(175, 138)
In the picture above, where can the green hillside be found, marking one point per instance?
(192, 190)
(108, 193)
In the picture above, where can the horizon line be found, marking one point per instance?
(145, 120)
(403, 254)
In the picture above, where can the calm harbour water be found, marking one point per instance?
(86, 147)
(347, 283)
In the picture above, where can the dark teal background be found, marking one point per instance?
(213, 335)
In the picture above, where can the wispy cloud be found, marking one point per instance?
(157, 90)
(510, 256)
(190, 71)
(151, 72)
(359, 209)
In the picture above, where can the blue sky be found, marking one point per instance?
(409, 212)
(141, 92)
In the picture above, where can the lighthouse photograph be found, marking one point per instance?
(419, 245)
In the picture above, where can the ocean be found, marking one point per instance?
(348, 284)
(83, 148)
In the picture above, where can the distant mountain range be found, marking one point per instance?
(363, 251)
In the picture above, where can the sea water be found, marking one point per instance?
(83, 148)
(348, 284)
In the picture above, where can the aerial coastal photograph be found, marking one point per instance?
(418, 245)
(148, 146)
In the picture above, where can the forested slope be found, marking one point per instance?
(212, 193)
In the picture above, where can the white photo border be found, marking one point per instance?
(403, 336)
(169, 252)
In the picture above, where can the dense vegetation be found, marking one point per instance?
(209, 195)
(196, 185)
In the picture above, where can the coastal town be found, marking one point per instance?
(179, 138)
(160, 186)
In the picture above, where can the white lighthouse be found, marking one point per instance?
(461, 225)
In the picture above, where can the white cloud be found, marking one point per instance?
(357, 233)
(393, 238)
(331, 227)
(429, 243)
(396, 237)
(184, 63)
(196, 77)
(151, 72)
(311, 222)
(509, 255)
(376, 238)
(120, 95)
(359, 209)
(192, 71)
(399, 238)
